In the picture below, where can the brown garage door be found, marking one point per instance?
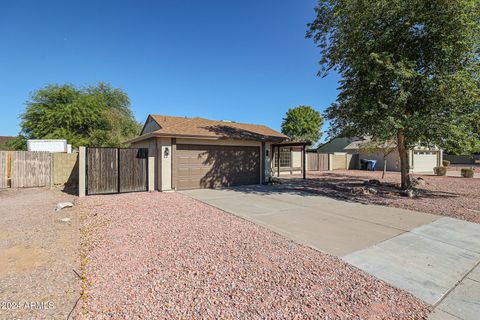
(205, 166)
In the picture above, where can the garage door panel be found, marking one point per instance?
(424, 161)
(201, 166)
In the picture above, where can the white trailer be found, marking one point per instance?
(50, 145)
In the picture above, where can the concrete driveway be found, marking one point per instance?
(434, 258)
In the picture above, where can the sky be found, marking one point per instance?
(246, 61)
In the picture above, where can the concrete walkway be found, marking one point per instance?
(434, 258)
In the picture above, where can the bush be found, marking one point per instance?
(445, 163)
(440, 171)
(467, 173)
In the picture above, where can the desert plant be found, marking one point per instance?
(445, 163)
(467, 173)
(440, 171)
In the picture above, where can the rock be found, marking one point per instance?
(411, 193)
(65, 220)
(364, 190)
(374, 182)
(418, 182)
(421, 181)
(62, 205)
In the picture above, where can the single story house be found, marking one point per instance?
(195, 152)
(4, 140)
(421, 158)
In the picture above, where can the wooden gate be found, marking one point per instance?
(317, 161)
(115, 170)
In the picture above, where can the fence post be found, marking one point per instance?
(81, 171)
(330, 162)
(52, 169)
(151, 174)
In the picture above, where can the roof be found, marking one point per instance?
(213, 129)
(5, 139)
(367, 142)
(292, 143)
(355, 144)
(336, 144)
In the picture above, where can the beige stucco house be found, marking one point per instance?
(201, 153)
(421, 158)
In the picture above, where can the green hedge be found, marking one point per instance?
(440, 171)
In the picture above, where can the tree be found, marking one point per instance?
(303, 123)
(90, 116)
(410, 69)
(384, 148)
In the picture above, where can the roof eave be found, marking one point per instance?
(187, 136)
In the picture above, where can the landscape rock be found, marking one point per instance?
(410, 193)
(195, 261)
(65, 220)
(419, 182)
(62, 205)
(364, 190)
(371, 190)
(374, 182)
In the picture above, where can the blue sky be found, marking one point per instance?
(246, 61)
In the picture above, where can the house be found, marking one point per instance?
(347, 153)
(195, 152)
(4, 140)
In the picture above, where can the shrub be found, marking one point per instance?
(440, 171)
(445, 163)
(467, 173)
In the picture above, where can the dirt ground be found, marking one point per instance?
(454, 197)
(38, 254)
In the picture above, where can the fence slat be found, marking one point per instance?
(3, 169)
(317, 161)
(30, 169)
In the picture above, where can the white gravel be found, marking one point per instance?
(164, 255)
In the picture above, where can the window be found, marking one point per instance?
(285, 157)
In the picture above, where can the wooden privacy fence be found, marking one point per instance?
(317, 161)
(115, 170)
(23, 169)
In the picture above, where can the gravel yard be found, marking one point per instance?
(165, 255)
(37, 255)
(447, 196)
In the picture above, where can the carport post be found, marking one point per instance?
(151, 173)
(278, 162)
(81, 171)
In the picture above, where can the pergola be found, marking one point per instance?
(283, 144)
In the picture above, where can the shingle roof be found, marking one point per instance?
(201, 127)
(5, 139)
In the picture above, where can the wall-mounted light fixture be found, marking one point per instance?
(166, 152)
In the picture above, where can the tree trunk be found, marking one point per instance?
(384, 167)
(404, 165)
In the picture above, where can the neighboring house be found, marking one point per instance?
(4, 140)
(421, 158)
(200, 153)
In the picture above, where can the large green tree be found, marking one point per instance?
(410, 69)
(89, 116)
(303, 123)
